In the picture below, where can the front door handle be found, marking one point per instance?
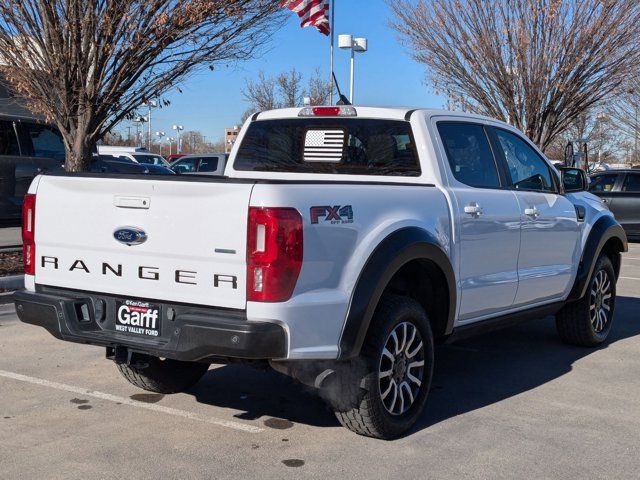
(473, 209)
(532, 212)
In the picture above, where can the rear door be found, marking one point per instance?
(550, 228)
(186, 165)
(43, 145)
(627, 204)
(487, 217)
(194, 231)
(606, 186)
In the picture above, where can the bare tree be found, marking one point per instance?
(318, 89)
(538, 64)
(290, 86)
(625, 109)
(261, 93)
(87, 64)
(601, 132)
(284, 91)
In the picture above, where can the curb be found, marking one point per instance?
(12, 282)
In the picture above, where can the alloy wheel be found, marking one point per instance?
(600, 301)
(401, 368)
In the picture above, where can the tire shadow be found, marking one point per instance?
(469, 375)
(262, 394)
(490, 368)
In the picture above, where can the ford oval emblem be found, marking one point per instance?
(130, 236)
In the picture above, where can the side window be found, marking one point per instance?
(603, 183)
(42, 141)
(632, 183)
(8, 139)
(528, 170)
(187, 165)
(208, 164)
(469, 154)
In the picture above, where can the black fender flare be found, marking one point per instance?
(395, 251)
(603, 230)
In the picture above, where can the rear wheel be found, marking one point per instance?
(162, 376)
(588, 321)
(384, 392)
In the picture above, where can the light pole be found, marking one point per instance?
(160, 135)
(178, 129)
(359, 45)
(138, 122)
(171, 140)
(150, 104)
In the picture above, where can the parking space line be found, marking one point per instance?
(134, 403)
(630, 278)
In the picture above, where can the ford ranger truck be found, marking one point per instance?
(340, 245)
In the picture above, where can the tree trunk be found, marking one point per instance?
(79, 151)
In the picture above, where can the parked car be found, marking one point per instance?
(620, 191)
(340, 245)
(136, 154)
(209, 163)
(28, 147)
(111, 164)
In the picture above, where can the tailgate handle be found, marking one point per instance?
(132, 202)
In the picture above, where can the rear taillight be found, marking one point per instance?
(274, 253)
(29, 234)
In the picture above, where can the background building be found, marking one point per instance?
(230, 137)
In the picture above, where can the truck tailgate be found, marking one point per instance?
(195, 247)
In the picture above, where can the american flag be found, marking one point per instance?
(324, 145)
(313, 13)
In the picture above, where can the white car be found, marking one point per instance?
(136, 154)
(341, 244)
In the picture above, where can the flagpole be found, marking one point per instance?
(333, 9)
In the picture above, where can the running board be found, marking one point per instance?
(504, 321)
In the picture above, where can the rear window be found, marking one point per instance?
(43, 141)
(208, 164)
(334, 146)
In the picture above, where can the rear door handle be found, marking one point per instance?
(532, 212)
(473, 209)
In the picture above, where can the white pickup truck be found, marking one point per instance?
(341, 244)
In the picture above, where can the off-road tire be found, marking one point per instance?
(358, 404)
(574, 323)
(162, 376)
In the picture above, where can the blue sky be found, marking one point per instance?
(385, 75)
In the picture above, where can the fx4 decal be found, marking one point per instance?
(334, 215)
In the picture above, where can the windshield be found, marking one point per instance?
(146, 158)
(329, 145)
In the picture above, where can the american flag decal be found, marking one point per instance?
(312, 13)
(323, 145)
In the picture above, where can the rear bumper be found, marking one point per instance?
(188, 333)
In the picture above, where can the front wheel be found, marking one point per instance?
(384, 392)
(588, 321)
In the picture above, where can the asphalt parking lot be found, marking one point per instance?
(512, 404)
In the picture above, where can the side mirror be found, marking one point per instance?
(574, 180)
